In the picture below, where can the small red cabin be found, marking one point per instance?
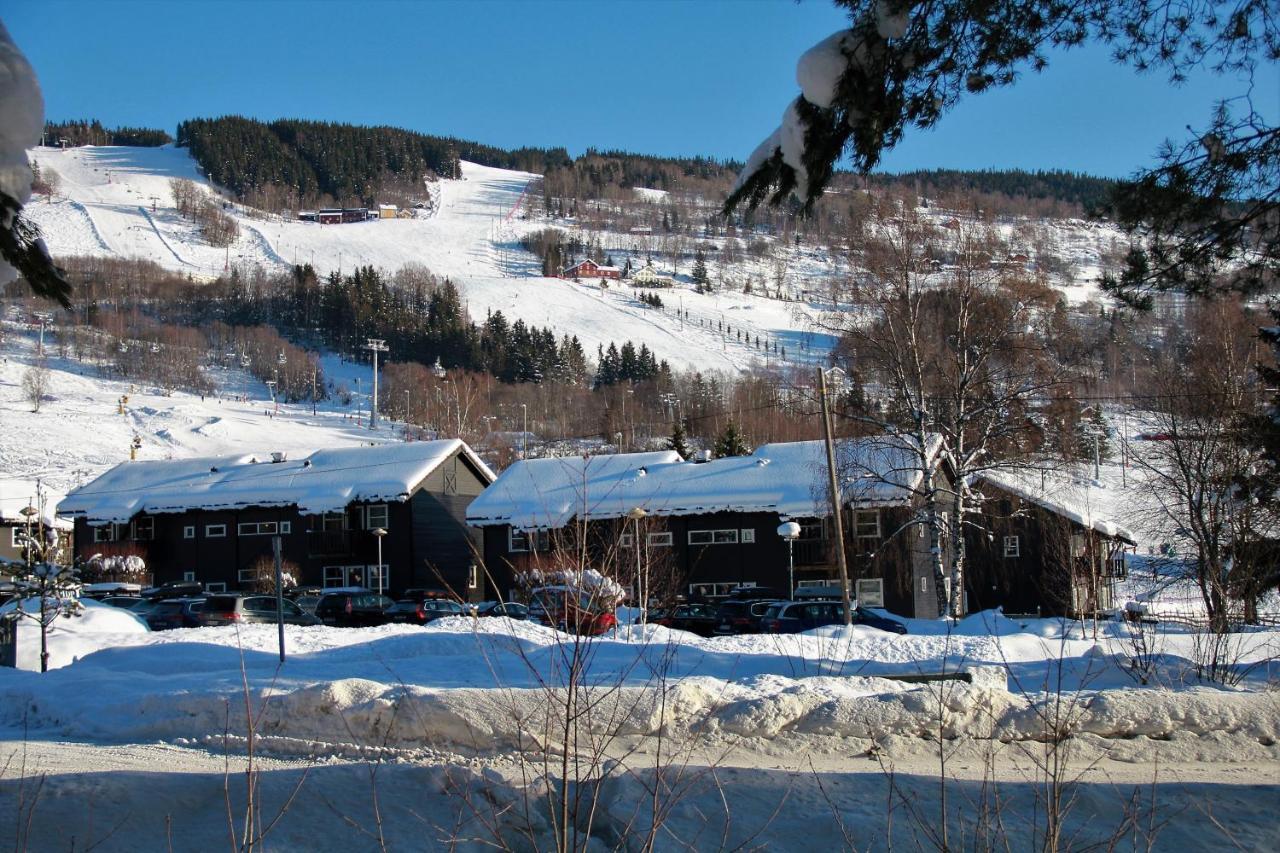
(590, 269)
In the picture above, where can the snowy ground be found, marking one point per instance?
(761, 738)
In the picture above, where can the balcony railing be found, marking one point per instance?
(325, 543)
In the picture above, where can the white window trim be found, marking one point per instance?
(341, 578)
(713, 589)
(188, 531)
(371, 575)
(526, 535)
(747, 536)
(188, 577)
(246, 576)
(1012, 546)
(254, 528)
(104, 533)
(215, 531)
(216, 586)
(857, 532)
(731, 535)
(16, 533)
(286, 527)
(473, 576)
(625, 540)
(368, 512)
(660, 540)
(137, 533)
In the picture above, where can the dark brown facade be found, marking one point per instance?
(427, 541)
(1030, 560)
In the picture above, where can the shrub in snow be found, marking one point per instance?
(606, 591)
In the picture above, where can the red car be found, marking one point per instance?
(571, 609)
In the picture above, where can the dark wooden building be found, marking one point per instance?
(17, 499)
(1042, 547)
(701, 528)
(213, 520)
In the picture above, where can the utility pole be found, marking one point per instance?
(375, 345)
(835, 498)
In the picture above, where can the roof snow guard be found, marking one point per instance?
(789, 479)
(320, 481)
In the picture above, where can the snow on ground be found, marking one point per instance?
(105, 202)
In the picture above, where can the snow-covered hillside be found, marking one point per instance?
(115, 201)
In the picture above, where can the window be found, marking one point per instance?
(377, 576)
(246, 575)
(215, 587)
(659, 540)
(625, 541)
(335, 576)
(711, 590)
(528, 540)
(473, 576)
(213, 531)
(189, 531)
(869, 592)
(144, 528)
(375, 516)
(713, 537)
(813, 528)
(748, 537)
(866, 523)
(258, 528)
(333, 521)
(19, 537)
(818, 583)
(104, 533)
(1012, 547)
(286, 527)
(188, 577)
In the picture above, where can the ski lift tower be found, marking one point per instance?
(375, 346)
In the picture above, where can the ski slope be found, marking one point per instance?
(116, 202)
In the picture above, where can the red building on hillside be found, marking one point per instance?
(590, 269)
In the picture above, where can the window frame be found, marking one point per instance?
(721, 536)
(148, 523)
(210, 534)
(215, 586)
(188, 531)
(16, 532)
(747, 536)
(663, 539)
(858, 524)
(188, 577)
(1012, 547)
(368, 516)
(240, 576)
(626, 541)
(274, 528)
(100, 529)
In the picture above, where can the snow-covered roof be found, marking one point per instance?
(789, 479)
(17, 495)
(1071, 498)
(320, 481)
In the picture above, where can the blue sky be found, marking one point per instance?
(657, 77)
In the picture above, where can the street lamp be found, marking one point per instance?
(642, 585)
(378, 533)
(790, 531)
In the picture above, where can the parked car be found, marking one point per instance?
(510, 609)
(232, 607)
(741, 616)
(421, 612)
(174, 613)
(307, 603)
(423, 594)
(126, 602)
(174, 589)
(698, 619)
(571, 609)
(353, 608)
(792, 617)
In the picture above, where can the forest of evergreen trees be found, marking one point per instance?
(348, 164)
(79, 132)
(1058, 185)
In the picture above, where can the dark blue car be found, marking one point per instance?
(792, 617)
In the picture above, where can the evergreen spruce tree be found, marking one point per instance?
(700, 272)
(678, 441)
(731, 443)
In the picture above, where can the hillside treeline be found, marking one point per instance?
(307, 163)
(1073, 188)
(77, 132)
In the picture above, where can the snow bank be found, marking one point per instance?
(96, 626)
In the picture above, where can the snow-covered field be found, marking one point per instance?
(469, 704)
(104, 207)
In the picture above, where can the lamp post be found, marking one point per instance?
(790, 531)
(375, 345)
(642, 585)
(524, 428)
(378, 533)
